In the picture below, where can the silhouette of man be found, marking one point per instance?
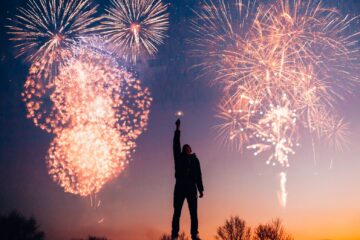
(188, 182)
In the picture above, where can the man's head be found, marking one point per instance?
(186, 149)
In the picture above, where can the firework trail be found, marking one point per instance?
(283, 193)
(43, 30)
(283, 66)
(136, 26)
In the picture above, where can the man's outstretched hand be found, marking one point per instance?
(201, 194)
(177, 123)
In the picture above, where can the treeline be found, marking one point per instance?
(237, 229)
(15, 226)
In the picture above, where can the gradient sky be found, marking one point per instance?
(323, 203)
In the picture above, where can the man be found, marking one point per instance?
(188, 182)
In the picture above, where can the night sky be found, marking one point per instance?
(323, 203)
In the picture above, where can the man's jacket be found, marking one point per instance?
(187, 167)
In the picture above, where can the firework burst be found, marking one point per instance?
(293, 48)
(283, 67)
(44, 30)
(276, 130)
(215, 31)
(135, 26)
(236, 115)
(83, 158)
(77, 90)
(46, 26)
(97, 109)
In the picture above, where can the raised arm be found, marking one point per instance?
(176, 142)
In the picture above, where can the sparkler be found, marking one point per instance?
(135, 26)
(283, 67)
(179, 113)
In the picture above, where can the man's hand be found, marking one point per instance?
(177, 123)
(201, 194)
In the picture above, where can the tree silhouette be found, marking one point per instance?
(91, 238)
(271, 231)
(96, 238)
(15, 226)
(182, 236)
(234, 229)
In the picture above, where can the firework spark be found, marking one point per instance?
(135, 26)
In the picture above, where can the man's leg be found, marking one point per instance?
(192, 202)
(179, 197)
